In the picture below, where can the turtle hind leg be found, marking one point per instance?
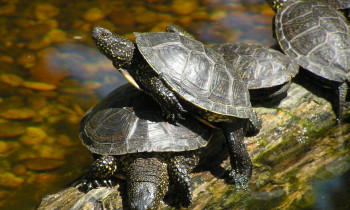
(100, 173)
(239, 158)
(340, 100)
(178, 168)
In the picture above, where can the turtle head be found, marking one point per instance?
(115, 47)
(277, 4)
(177, 29)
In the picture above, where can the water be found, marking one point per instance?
(50, 74)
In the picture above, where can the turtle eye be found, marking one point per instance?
(105, 35)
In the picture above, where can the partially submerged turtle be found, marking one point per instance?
(268, 72)
(182, 74)
(129, 138)
(317, 37)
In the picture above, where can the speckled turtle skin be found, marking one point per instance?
(184, 76)
(268, 72)
(317, 37)
(129, 138)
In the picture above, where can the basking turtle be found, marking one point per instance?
(317, 37)
(181, 73)
(129, 138)
(342, 5)
(338, 4)
(268, 72)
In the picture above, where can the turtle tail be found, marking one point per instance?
(147, 183)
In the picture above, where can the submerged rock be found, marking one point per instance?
(182, 7)
(9, 180)
(42, 164)
(94, 14)
(11, 129)
(39, 85)
(18, 114)
(11, 79)
(46, 11)
(33, 136)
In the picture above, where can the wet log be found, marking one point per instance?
(298, 152)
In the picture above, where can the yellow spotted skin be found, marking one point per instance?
(179, 171)
(125, 56)
(147, 176)
(239, 158)
(209, 101)
(277, 4)
(103, 167)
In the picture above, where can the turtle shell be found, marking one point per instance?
(259, 66)
(196, 73)
(128, 121)
(338, 4)
(317, 37)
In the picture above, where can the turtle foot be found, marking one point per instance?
(89, 184)
(172, 117)
(240, 180)
(172, 110)
(171, 107)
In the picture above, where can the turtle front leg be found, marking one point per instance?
(171, 107)
(100, 173)
(239, 158)
(178, 172)
(340, 100)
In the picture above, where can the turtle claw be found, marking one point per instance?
(108, 183)
(172, 109)
(173, 114)
(89, 184)
(240, 180)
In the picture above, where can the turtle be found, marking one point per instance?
(341, 5)
(317, 37)
(184, 76)
(337, 4)
(129, 138)
(268, 72)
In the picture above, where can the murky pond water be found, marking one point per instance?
(50, 74)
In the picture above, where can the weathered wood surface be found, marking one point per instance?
(298, 145)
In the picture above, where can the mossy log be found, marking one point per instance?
(299, 148)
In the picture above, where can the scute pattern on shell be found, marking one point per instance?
(128, 121)
(196, 73)
(338, 4)
(260, 67)
(317, 37)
